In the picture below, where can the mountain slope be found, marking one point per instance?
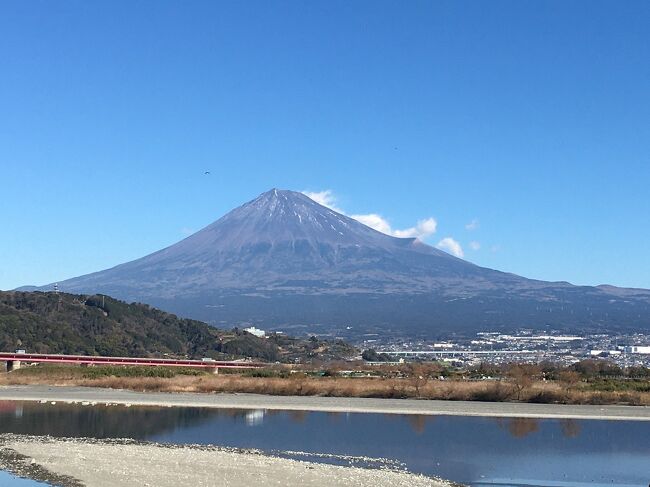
(283, 260)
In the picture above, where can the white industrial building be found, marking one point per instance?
(637, 349)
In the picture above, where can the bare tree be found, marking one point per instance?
(569, 379)
(522, 377)
(418, 377)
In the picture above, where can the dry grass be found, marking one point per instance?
(301, 385)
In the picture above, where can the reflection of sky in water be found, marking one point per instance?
(471, 450)
(567, 470)
(543, 483)
(8, 480)
(477, 451)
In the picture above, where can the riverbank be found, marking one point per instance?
(124, 463)
(404, 383)
(88, 396)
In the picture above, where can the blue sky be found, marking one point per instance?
(530, 119)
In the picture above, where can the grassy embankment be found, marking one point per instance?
(384, 383)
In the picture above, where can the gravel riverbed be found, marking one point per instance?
(71, 462)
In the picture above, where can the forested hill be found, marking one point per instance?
(100, 325)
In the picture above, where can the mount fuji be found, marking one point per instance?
(284, 261)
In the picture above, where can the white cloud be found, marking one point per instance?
(421, 230)
(325, 198)
(450, 245)
(373, 220)
(186, 231)
(475, 245)
(473, 225)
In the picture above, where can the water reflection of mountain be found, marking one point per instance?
(101, 421)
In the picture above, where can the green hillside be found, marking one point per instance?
(99, 325)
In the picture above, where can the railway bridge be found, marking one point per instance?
(14, 359)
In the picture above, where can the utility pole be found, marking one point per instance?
(56, 291)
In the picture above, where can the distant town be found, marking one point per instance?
(533, 346)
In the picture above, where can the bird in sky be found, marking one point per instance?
(206, 172)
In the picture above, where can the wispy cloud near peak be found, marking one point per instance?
(422, 229)
(450, 245)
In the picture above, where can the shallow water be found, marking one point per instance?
(471, 450)
(9, 480)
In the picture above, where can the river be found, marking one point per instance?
(474, 451)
